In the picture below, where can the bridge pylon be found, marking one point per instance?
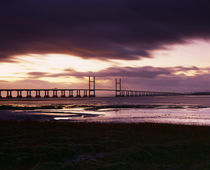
(92, 86)
(118, 87)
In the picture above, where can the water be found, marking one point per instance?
(166, 109)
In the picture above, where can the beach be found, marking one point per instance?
(56, 145)
(170, 132)
(185, 110)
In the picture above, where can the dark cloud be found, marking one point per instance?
(120, 29)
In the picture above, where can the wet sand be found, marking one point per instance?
(60, 145)
(170, 114)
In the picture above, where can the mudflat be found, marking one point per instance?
(64, 145)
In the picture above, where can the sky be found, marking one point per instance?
(156, 45)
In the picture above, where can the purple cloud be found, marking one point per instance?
(105, 29)
(144, 78)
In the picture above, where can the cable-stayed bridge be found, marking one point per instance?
(78, 92)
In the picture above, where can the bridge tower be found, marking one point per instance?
(117, 87)
(92, 87)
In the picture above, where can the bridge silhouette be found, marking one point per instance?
(79, 92)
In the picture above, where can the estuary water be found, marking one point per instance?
(191, 110)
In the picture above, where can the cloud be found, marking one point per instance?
(132, 72)
(30, 83)
(3, 81)
(145, 72)
(171, 84)
(103, 29)
(37, 74)
(145, 78)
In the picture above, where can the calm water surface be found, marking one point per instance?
(169, 109)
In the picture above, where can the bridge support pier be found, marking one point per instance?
(78, 93)
(19, 94)
(46, 93)
(38, 94)
(55, 93)
(9, 94)
(63, 93)
(85, 93)
(127, 93)
(28, 94)
(71, 94)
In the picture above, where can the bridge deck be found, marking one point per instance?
(81, 92)
(81, 89)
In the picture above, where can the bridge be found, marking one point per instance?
(70, 93)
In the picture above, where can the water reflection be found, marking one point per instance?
(178, 110)
(177, 116)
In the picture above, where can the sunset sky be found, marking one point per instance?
(151, 44)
